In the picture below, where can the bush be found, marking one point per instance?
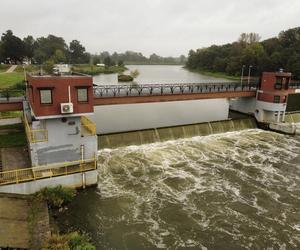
(72, 241)
(56, 197)
(125, 78)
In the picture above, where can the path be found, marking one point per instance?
(11, 69)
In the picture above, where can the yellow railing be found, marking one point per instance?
(35, 135)
(41, 172)
(88, 125)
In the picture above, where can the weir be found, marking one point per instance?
(172, 133)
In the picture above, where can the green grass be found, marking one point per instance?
(8, 80)
(94, 70)
(10, 114)
(215, 74)
(15, 139)
(12, 138)
(4, 67)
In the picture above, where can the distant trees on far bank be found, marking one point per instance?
(53, 49)
(50, 49)
(269, 55)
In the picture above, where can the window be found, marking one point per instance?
(278, 84)
(46, 96)
(82, 94)
(276, 99)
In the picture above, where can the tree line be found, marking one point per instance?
(53, 49)
(281, 52)
(131, 57)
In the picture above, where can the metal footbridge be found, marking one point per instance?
(139, 93)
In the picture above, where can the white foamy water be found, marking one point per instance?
(239, 190)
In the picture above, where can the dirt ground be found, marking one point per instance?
(14, 231)
(14, 158)
(23, 225)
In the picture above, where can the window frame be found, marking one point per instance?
(51, 95)
(278, 83)
(87, 93)
(277, 99)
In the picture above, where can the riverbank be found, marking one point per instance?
(95, 70)
(214, 74)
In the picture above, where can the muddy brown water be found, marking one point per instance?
(235, 190)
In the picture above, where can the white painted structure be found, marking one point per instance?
(78, 180)
(140, 116)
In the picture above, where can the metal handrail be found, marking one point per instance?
(88, 125)
(34, 135)
(42, 172)
(103, 91)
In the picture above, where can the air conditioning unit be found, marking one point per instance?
(66, 108)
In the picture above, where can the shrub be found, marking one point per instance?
(72, 241)
(56, 197)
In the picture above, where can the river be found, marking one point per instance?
(235, 190)
(158, 74)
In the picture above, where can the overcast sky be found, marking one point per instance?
(165, 27)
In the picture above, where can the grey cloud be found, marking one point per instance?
(166, 27)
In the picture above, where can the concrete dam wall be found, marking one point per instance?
(173, 133)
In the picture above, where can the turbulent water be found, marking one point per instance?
(237, 190)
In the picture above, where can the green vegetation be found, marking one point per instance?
(8, 80)
(216, 74)
(125, 78)
(131, 57)
(72, 241)
(56, 197)
(4, 67)
(12, 136)
(94, 70)
(269, 55)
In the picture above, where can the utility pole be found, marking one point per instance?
(242, 75)
(249, 73)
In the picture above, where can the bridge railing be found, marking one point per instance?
(103, 91)
(29, 174)
(295, 85)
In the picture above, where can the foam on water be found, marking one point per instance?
(238, 190)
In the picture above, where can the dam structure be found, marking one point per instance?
(64, 113)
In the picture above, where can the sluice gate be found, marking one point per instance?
(172, 133)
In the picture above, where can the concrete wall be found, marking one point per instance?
(72, 181)
(64, 141)
(244, 105)
(270, 112)
(130, 117)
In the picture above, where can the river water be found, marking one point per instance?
(236, 190)
(158, 74)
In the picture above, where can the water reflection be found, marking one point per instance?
(158, 74)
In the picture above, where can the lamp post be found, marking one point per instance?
(242, 75)
(249, 73)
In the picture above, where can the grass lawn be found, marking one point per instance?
(94, 70)
(4, 67)
(8, 80)
(12, 136)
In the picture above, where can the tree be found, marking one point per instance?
(77, 52)
(48, 46)
(29, 44)
(120, 63)
(249, 38)
(12, 47)
(109, 62)
(58, 57)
